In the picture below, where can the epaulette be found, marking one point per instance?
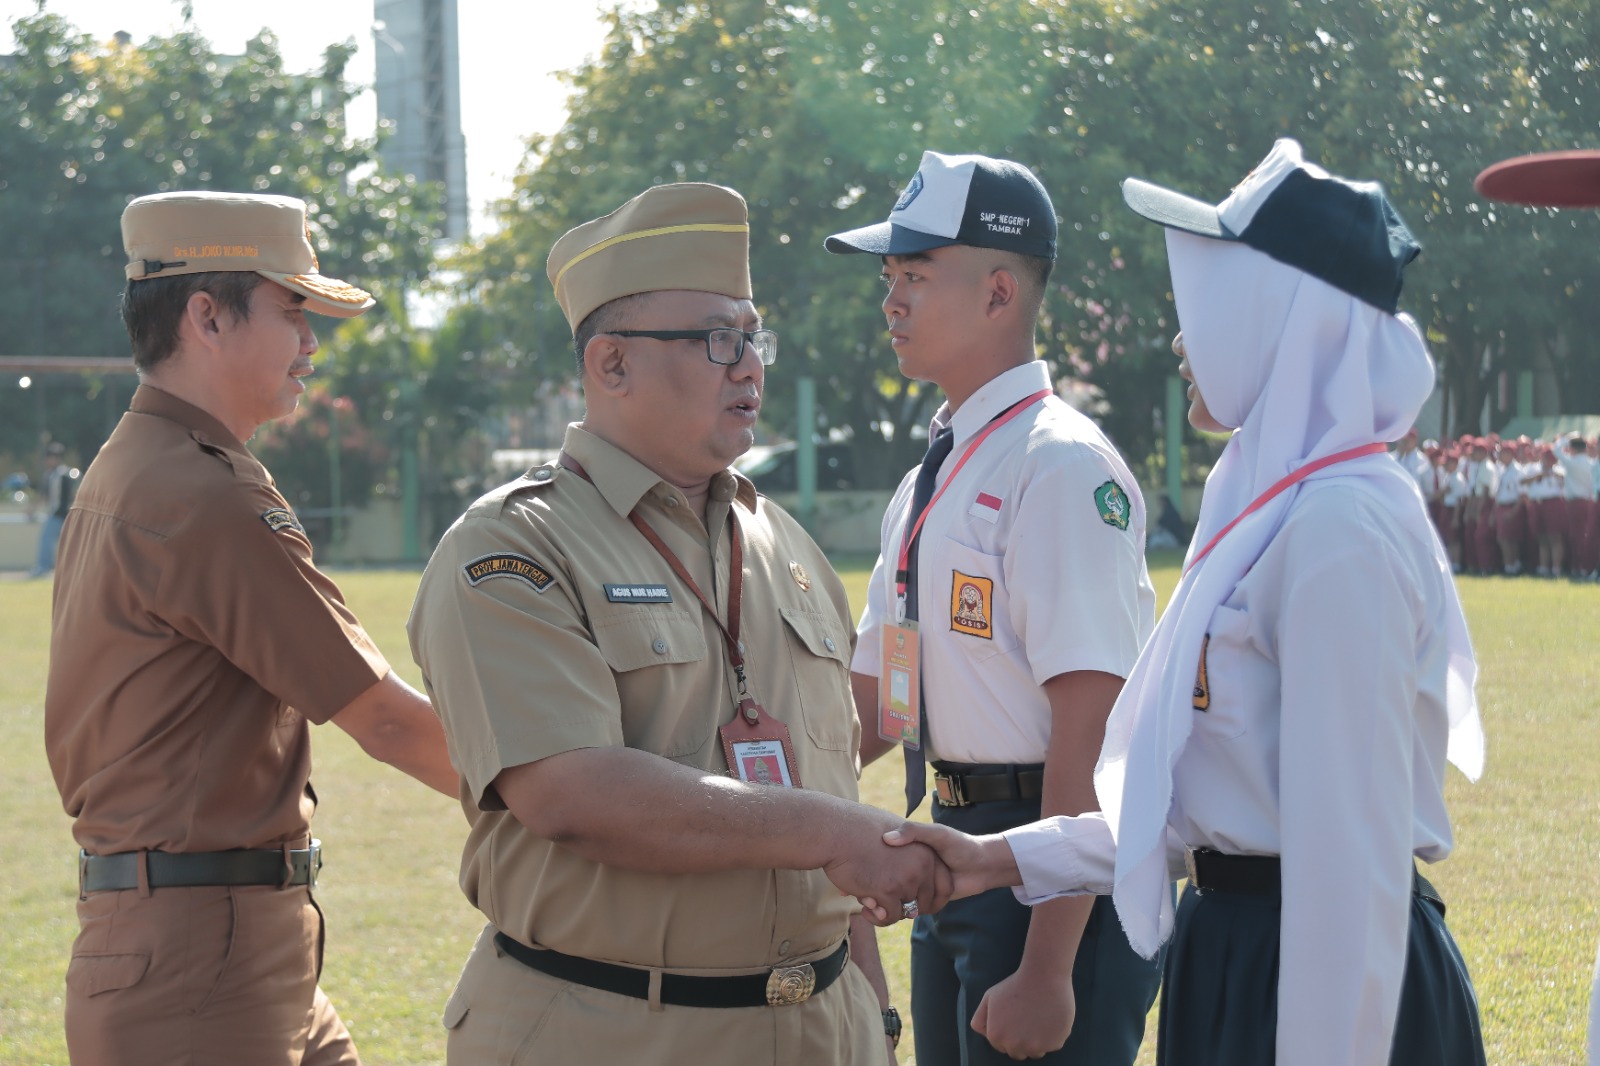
(534, 480)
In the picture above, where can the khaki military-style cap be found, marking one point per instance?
(192, 232)
(690, 236)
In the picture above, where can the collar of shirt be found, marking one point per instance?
(996, 394)
(149, 400)
(623, 480)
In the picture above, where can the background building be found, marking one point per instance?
(418, 89)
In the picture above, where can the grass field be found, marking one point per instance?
(1521, 887)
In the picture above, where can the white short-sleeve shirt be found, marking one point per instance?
(1031, 564)
(1508, 489)
(1321, 740)
(1579, 484)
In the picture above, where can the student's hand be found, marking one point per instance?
(977, 863)
(1027, 1016)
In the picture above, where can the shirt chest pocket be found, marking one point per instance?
(1235, 681)
(818, 655)
(970, 601)
(668, 687)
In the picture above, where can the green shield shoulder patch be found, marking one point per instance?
(1112, 503)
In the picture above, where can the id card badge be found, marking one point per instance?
(757, 748)
(898, 696)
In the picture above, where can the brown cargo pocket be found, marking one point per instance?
(90, 975)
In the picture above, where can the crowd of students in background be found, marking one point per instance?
(1511, 506)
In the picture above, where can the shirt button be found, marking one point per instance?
(542, 474)
(783, 948)
(827, 642)
(660, 646)
(672, 501)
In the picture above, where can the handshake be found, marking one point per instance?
(902, 869)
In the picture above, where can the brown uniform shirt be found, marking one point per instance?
(527, 655)
(191, 640)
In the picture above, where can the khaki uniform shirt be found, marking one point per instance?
(526, 655)
(192, 639)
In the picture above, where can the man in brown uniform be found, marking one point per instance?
(604, 639)
(192, 641)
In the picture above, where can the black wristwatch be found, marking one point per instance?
(891, 1026)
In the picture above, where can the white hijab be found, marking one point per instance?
(1305, 371)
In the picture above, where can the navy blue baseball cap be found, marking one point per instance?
(1345, 233)
(961, 199)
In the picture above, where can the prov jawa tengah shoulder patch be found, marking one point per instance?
(279, 519)
(508, 564)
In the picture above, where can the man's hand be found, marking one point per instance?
(1027, 1015)
(883, 877)
(976, 863)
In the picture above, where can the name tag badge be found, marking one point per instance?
(757, 748)
(898, 685)
(638, 594)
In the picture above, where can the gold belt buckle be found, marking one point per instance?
(1188, 865)
(949, 791)
(791, 984)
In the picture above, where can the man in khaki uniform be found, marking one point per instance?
(597, 636)
(192, 641)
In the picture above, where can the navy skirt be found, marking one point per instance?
(1219, 997)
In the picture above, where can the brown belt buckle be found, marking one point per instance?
(1188, 865)
(83, 875)
(787, 985)
(948, 790)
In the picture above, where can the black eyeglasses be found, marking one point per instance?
(724, 345)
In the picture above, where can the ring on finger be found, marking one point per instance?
(909, 909)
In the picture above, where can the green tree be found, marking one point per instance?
(87, 126)
(818, 113)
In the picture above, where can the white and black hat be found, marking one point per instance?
(1345, 233)
(962, 199)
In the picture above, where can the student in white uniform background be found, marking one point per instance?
(1283, 738)
(1028, 588)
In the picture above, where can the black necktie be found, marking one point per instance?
(916, 761)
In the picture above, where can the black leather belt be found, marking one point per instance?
(1252, 875)
(1259, 875)
(263, 866)
(778, 988)
(963, 784)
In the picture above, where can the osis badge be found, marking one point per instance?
(971, 600)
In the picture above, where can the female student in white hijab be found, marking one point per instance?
(1282, 740)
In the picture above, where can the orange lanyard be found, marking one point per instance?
(909, 535)
(1283, 483)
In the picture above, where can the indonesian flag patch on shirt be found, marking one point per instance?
(986, 507)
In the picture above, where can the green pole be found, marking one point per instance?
(1176, 416)
(410, 494)
(335, 489)
(806, 451)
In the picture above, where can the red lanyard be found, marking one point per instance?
(1283, 483)
(730, 631)
(909, 535)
